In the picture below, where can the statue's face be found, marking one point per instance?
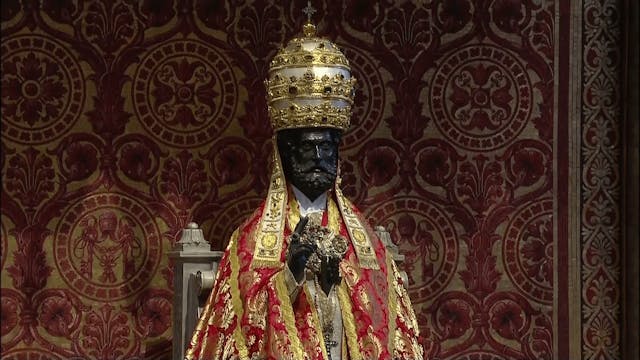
(310, 158)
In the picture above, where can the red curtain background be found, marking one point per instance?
(485, 138)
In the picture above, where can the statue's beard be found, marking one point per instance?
(314, 180)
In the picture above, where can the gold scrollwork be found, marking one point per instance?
(294, 55)
(323, 115)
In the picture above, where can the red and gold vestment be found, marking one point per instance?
(250, 315)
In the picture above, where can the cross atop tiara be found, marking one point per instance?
(309, 11)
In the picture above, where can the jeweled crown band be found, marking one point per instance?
(301, 57)
(322, 115)
(311, 86)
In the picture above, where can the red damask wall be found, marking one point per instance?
(485, 138)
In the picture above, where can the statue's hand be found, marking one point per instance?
(299, 253)
(329, 273)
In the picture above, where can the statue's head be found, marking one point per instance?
(310, 158)
(310, 93)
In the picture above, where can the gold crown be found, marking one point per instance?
(310, 84)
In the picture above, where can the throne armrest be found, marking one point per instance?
(195, 266)
(204, 282)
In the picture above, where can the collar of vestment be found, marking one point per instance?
(309, 206)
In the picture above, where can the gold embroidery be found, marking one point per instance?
(349, 273)
(227, 313)
(257, 309)
(405, 341)
(405, 301)
(357, 232)
(316, 321)
(236, 300)
(393, 304)
(200, 338)
(364, 298)
(372, 343)
(227, 350)
(293, 217)
(333, 216)
(269, 241)
(348, 322)
(289, 318)
(268, 248)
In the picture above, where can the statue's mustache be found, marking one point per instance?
(318, 168)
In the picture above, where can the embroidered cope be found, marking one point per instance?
(256, 311)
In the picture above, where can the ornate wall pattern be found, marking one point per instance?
(122, 121)
(601, 158)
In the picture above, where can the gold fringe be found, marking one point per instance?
(259, 263)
